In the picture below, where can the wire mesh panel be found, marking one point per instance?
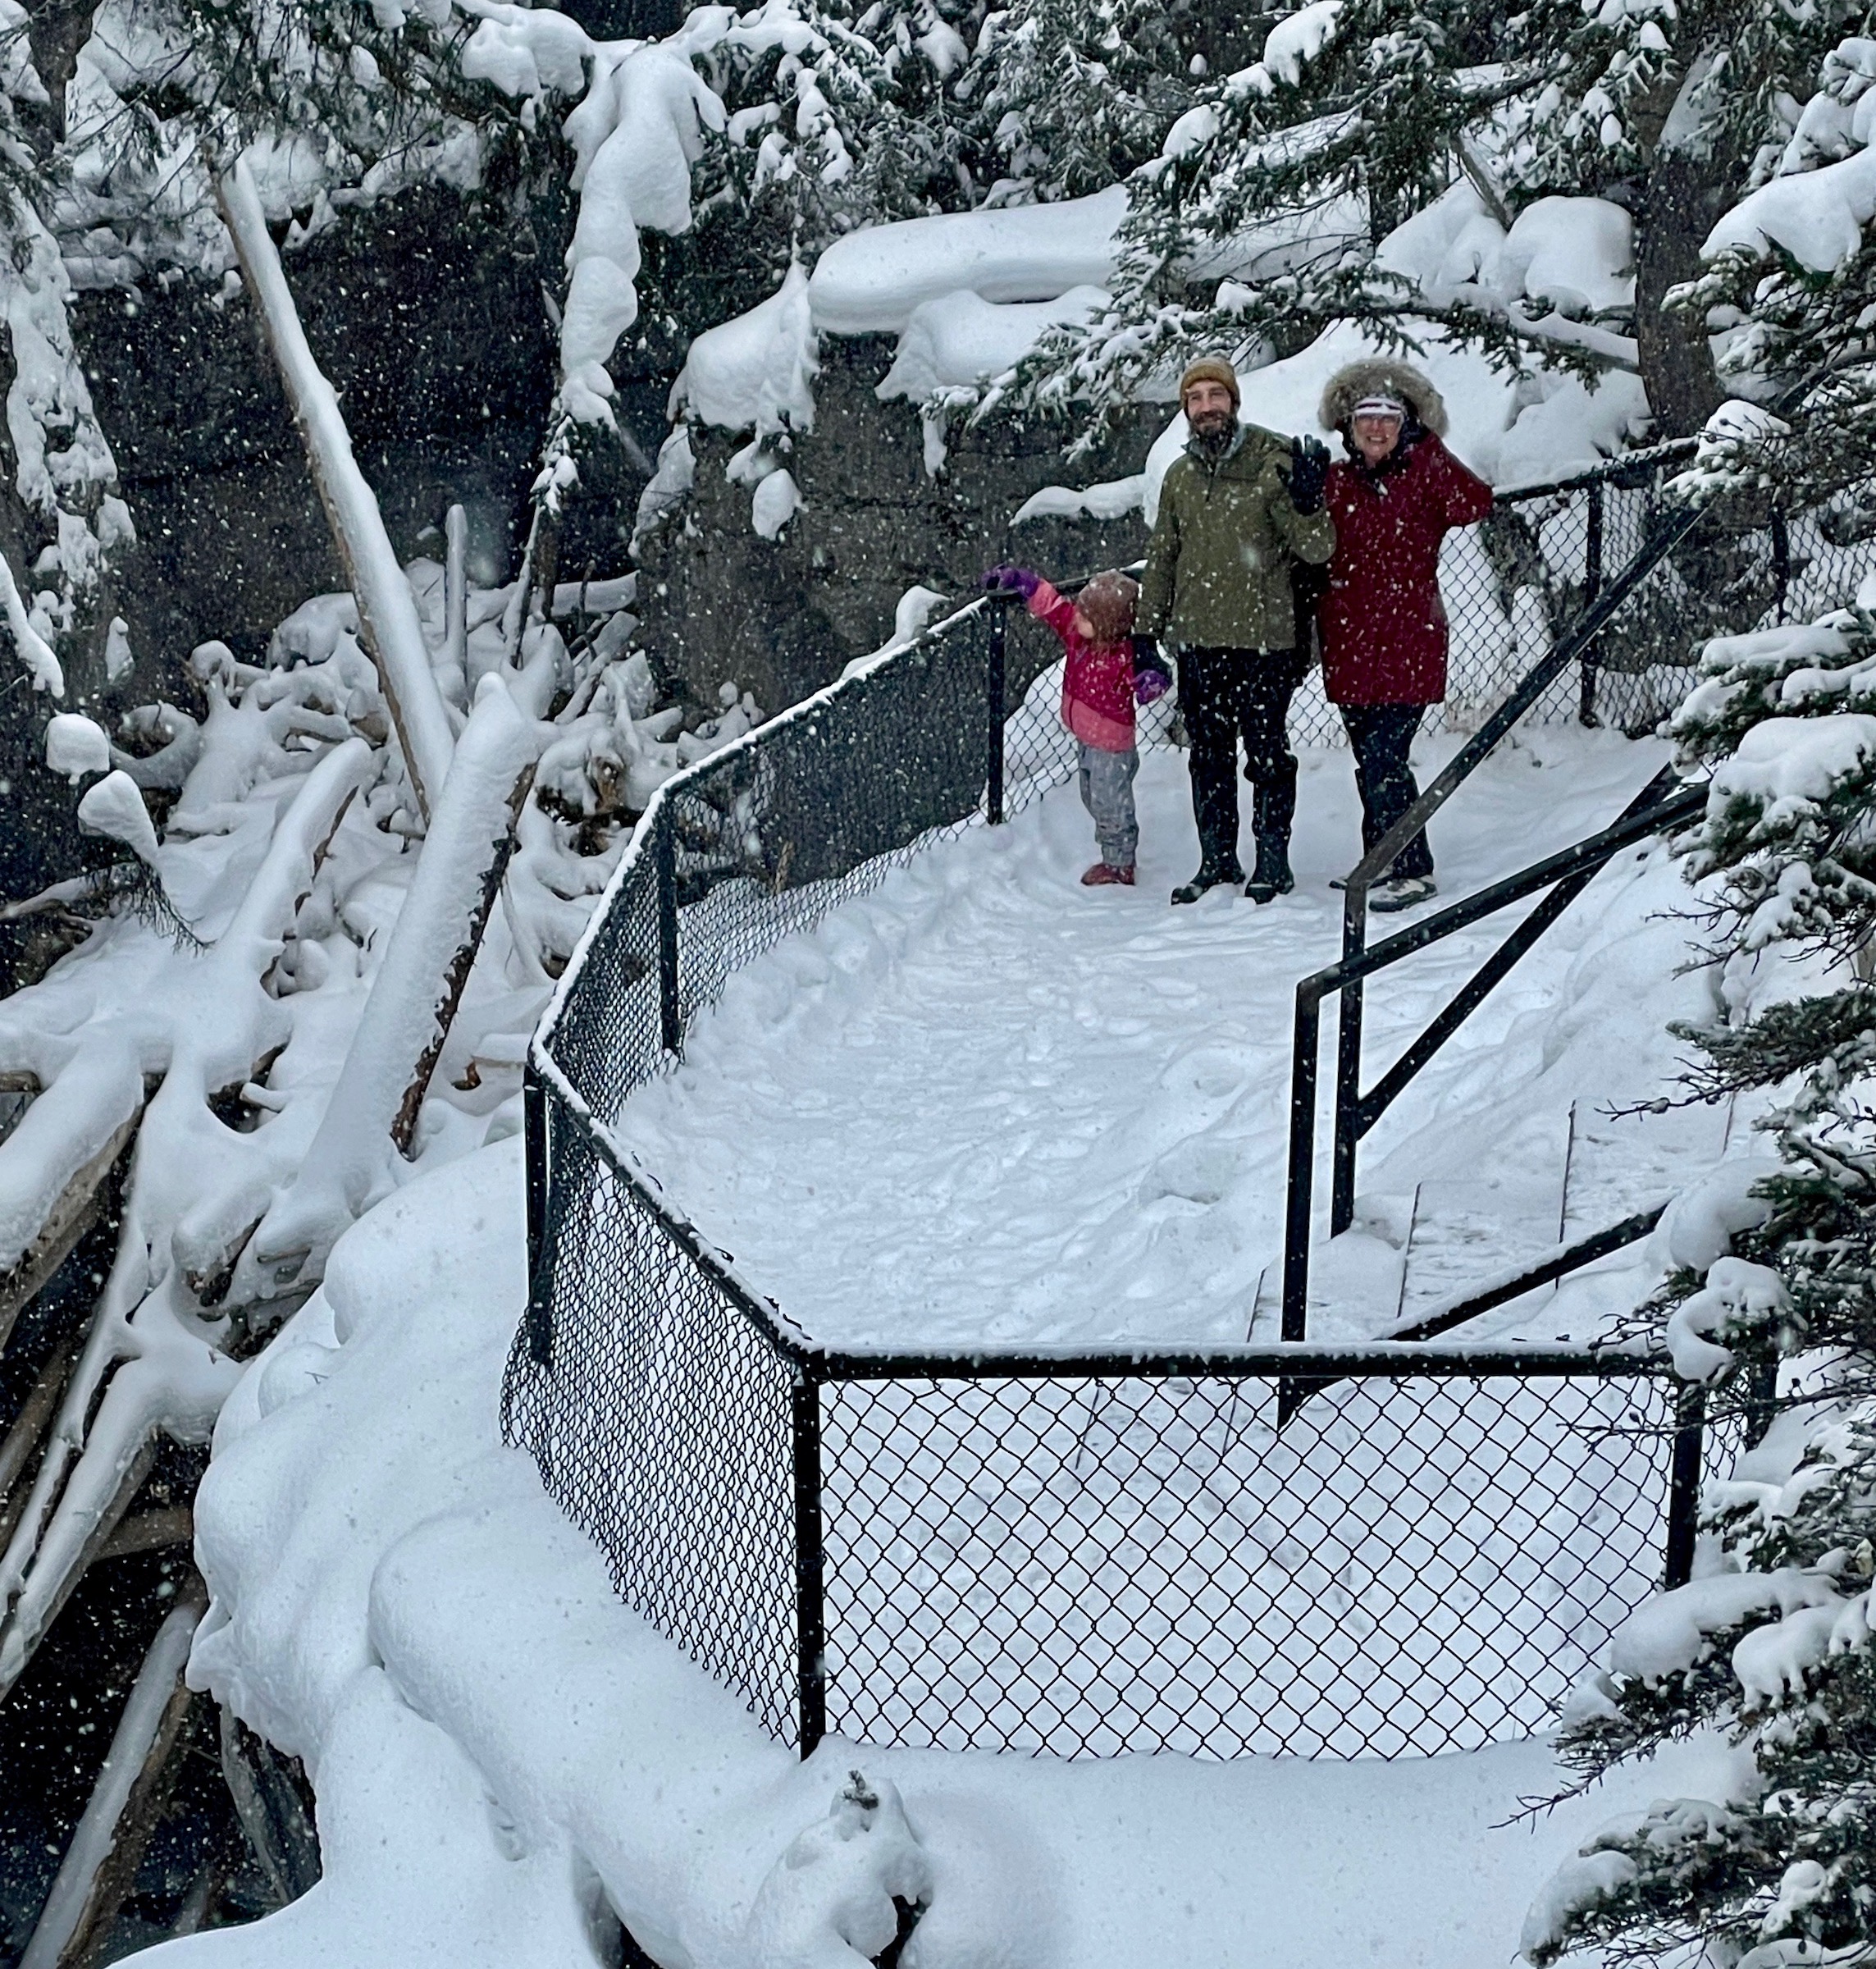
(607, 1037)
(1092, 1566)
(661, 1422)
(824, 803)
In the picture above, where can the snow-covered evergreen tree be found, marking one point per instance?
(1257, 224)
(1774, 1643)
(1070, 96)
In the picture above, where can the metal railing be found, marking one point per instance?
(1612, 606)
(1079, 1551)
(1083, 1552)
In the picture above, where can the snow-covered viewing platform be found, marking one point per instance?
(644, 1322)
(983, 1104)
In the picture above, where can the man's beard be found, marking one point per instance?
(1213, 433)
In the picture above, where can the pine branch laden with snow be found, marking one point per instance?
(1074, 95)
(1300, 192)
(65, 476)
(1775, 1641)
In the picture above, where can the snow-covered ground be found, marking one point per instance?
(985, 1103)
(500, 1749)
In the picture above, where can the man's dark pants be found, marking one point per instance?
(1380, 734)
(1224, 694)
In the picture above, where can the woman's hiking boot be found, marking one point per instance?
(1271, 878)
(1401, 892)
(1105, 874)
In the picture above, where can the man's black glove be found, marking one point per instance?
(1308, 472)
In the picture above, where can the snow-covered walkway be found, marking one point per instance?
(987, 1103)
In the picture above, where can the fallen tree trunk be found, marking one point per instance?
(77, 1208)
(100, 1864)
(273, 1815)
(456, 975)
(373, 1112)
(388, 621)
(27, 1626)
(23, 1440)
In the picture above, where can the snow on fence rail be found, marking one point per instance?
(1088, 1553)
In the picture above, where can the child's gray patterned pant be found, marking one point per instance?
(1107, 781)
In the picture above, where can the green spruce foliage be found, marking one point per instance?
(1773, 1645)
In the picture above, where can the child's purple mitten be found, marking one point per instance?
(1012, 580)
(1151, 679)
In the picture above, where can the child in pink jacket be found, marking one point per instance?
(1103, 674)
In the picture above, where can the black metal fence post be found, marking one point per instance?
(810, 1598)
(534, 1146)
(1684, 1484)
(1592, 586)
(994, 609)
(1304, 1049)
(664, 852)
(1349, 1065)
(1781, 558)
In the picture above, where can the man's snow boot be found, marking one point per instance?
(1104, 874)
(1207, 877)
(1271, 878)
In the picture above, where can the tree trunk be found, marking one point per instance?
(1687, 188)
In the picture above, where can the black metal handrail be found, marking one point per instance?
(1566, 874)
(1567, 649)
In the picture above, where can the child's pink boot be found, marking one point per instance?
(1104, 874)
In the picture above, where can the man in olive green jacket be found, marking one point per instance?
(1237, 506)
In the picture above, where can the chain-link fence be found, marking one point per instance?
(1086, 1555)
(1114, 1552)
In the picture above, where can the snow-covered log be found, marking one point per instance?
(24, 1441)
(388, 621)
(68, 1130)
(349, 1164)
(73, 1212)
(279, 1830)
(151, 1362)
(101, 1861)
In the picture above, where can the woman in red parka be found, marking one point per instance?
(1382, 623)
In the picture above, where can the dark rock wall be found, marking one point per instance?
(428, 319)
(432, 332)
(781, 618)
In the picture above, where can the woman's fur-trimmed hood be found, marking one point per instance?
(1381, 377)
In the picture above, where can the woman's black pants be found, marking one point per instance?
(1380, 734)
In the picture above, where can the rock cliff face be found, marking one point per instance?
(432, 326)
(782, 617)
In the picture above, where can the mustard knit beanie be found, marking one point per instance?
(1210, 369)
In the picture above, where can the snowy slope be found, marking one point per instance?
(987, 1104)
(500, 1749)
